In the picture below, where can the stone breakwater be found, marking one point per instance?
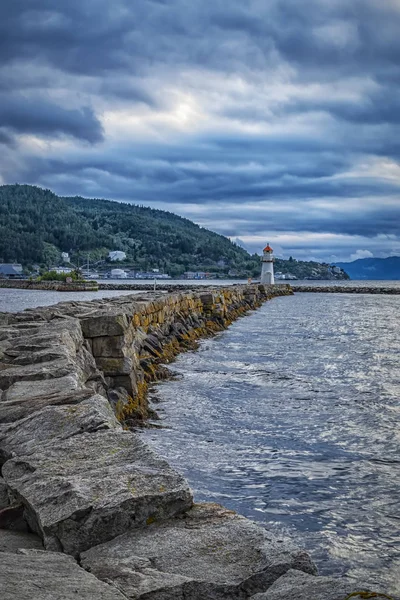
(160, 286)
(342, 289)
(50, 286)
(87, 509)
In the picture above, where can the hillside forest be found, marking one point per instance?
(36, 225)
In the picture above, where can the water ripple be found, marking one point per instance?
(291, 418)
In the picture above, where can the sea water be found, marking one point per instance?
(15, 300)
(291, 418)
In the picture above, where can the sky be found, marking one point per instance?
(264, 120)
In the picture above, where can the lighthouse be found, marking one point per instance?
(267, 269)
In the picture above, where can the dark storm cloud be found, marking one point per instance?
(77, 36)
(6, 139)
(305, 217)
(38, 115)
(126, 90)
(95, 35)
(294, 102)
(374, 108)
(204, 180)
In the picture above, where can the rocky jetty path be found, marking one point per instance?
(90, 511)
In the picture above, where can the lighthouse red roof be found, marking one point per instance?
(267, 248)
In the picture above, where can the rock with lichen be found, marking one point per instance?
(207, 553)
(40, 575)
(296, 585)
(87, 489)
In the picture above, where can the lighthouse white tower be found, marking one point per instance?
(267, 269)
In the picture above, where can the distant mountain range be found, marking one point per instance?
(373, 268)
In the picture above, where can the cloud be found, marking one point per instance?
(361, 254)
(239, 242)
(254, 119)
(41, 116)
(6, 139)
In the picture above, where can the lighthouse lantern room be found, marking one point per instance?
(267, 269)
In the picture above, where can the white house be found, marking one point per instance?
(115, 255)
(65, 257)
(118, 274)
(61, 270)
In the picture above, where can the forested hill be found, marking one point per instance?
(36, 226)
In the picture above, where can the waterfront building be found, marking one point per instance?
(154, 274)
(61, 270)
(11, 271)
(267, 269)
(196, 275)
(280, 275)
(118, 274)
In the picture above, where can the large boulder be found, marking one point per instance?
(45, 363)
(12, 541)
(53, 369)
(295, 585)
(36, 335)
(208, 553)
(61, 422)
(39, 575)
(87, 489)
(109, 322)
(23, 398)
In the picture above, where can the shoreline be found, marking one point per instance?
(49, 286)
(337, 289)
(72, 376)
(180, 286)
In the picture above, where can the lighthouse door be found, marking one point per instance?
(268, 278)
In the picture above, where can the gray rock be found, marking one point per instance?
(32, 357)
(52, 422)
(106, 324)
(23, 398)
(87, 489)
(4, 499)
(115, 366)
(39, 575)
(295, 585)
(109, 346)
(210, 553)
(12, 541)
(44, 364)
(34, 372)
(12, 517)
(33, 336)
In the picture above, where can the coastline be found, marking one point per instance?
(63, 368)
(338, 289)
(334, 287)
(54, 286)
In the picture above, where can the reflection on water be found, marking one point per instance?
(291, 418)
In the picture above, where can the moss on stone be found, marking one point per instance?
(166, 326)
